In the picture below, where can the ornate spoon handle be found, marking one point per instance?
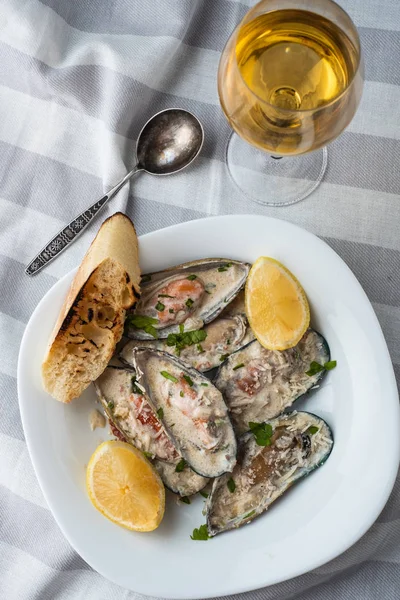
(68, 234)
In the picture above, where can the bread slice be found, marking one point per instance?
(91, 321)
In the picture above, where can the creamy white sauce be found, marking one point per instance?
(96, 419)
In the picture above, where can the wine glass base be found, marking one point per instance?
(274, 181)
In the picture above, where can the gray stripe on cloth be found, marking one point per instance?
(23, 524)
(364, 161)
(45, 184)
(186, 19)
(150, 215)
(10, 420)
(391, 512)
(397, 374)
(14, 304)
(223, 17)
(377, 269)
(370, 579)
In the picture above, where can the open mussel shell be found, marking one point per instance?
(184, 483)
(227, 334)
(129, 412)
(191, 410)
(299, 442)
(259, 384)
(192, 294)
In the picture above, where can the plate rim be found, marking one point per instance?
(227, 590)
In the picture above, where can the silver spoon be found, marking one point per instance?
(168, 143)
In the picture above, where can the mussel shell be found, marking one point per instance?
(191, 409)
(184, 483)
(263, 473)
(259, 384)
(227, 277)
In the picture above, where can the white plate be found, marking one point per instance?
(318, 519)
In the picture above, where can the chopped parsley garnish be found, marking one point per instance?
(191, 277)
(185, 499)
(189, 303)
(145, 323)
(331, 364)
(231, 485)
(165, 296)
(200, 348)
(200, 534)
(314, 369)
(238, 367)
(262, 432)
(223, 357)
(312, 430)
(181, 394)
(317, 368)
(228, 342)
(160, 306)
(145, 278)
(147, 454)
(250, 514)
(183, 339)
(207, 291)
(188, 380)
(169, 376)
(204, 384)
(224, 267)
(135, 388)
(181, 465)
(171, 310)
(110, 404)
(160, 413)
(204, 494)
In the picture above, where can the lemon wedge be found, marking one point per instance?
(276, 305)
(124, 486)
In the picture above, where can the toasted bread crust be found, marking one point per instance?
(109, 241)
(91, 320)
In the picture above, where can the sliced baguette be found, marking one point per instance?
(91, 321)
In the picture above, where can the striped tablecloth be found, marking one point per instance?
(78, 78)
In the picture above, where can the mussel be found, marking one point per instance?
(293, 445)
(259, 384)
(191, 410)
(192, 294)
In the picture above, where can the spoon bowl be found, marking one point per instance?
(169, 142)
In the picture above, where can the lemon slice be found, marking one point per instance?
(276, 305)
(124, 487)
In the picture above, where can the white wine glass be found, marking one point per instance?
(290, 80)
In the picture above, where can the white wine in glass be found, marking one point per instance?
(290, 80)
